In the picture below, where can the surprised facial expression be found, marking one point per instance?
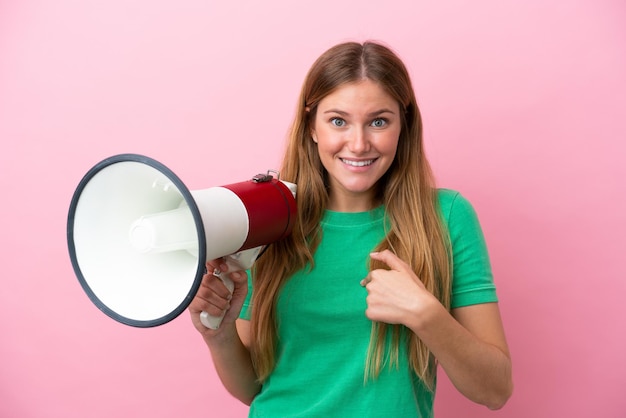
(356, 128)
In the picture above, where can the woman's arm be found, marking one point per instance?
(233, 364)
(469, 344)
(471, 347)
(230, 356)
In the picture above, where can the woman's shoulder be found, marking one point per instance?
(453, 204)
(447, 196)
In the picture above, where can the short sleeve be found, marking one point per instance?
(472, 281)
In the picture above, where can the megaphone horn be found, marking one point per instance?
(139, 239)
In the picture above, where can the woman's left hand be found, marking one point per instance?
(468, 343)
(395, 296)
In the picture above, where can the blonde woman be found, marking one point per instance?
(384, 278)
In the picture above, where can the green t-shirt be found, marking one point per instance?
(323, 333)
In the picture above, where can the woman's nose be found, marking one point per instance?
(358, 143)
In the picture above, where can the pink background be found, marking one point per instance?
(524, 104)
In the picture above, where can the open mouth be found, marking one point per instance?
(361, 163)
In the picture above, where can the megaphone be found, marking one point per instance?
(139, 239)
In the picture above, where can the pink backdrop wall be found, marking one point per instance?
(524, 107)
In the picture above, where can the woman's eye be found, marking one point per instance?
(338, 122)
(378, 123)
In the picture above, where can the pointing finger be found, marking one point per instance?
(390, 259)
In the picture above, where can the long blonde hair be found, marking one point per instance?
(416, 234)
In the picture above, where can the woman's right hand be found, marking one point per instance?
(214, 298)
(230, 357)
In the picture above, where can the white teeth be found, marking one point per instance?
(357, 163)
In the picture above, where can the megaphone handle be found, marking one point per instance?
(213, 322)
(240, 261)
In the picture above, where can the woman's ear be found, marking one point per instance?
(307, 109)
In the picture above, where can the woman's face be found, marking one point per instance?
(356, 129)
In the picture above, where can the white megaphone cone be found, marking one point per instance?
(139, 239)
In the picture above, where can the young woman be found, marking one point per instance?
(384, 278)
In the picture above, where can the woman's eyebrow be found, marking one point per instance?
(372, 114)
